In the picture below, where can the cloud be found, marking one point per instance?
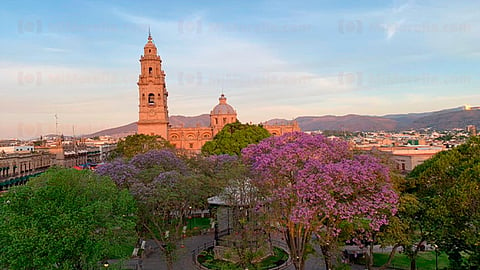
(56, 50)
(391, 29)
(402, 7)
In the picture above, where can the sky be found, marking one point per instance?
(72, 66)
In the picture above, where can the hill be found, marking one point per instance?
(175, 121)
(349, 122)
(439, 120)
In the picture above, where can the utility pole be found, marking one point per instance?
(56, 124)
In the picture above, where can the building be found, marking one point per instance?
(472, 130)
(17, 168)
(407, 158)
(24, 148)
(153, 108)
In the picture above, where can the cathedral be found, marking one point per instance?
(153, 108)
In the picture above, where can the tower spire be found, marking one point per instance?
(149, 34)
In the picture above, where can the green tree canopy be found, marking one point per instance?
(448, 187)
(234, 137)
(65, 219)
(140, 143)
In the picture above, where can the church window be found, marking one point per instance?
(224, 120)
(149, 50)
(191, 145)
(151, 99)
(150, 69)
(216, 121)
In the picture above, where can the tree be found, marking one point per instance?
(65, 219)
(140, 143)
(234, 137)
(448, 188)
(167, 188)
(247, 239)
(312, 185)
(405, 228)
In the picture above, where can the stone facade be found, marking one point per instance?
(153, 109)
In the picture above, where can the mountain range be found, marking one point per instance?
(438, 120)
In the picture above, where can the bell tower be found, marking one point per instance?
(153, 110)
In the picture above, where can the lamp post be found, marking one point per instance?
(436, 256)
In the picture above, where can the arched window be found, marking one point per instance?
(216, 121)
(150, 70)
(151, 99)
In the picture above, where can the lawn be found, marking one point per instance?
(425, 260)
(198, 223)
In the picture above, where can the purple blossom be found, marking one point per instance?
(163, 159)
(167, 179)
(312, 178)
(121, 173)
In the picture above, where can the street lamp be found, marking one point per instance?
(436, 256)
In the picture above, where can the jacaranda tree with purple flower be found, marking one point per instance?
(167, 188)
(312, 185)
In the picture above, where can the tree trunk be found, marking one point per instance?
(390, 257)
(369, 257)
(326, 256)
(299, 264)
(413, 264)
(297, 238)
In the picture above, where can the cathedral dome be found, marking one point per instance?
(223, 107)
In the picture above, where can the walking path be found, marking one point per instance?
(155, 260)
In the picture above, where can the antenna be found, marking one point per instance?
(56, 124)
